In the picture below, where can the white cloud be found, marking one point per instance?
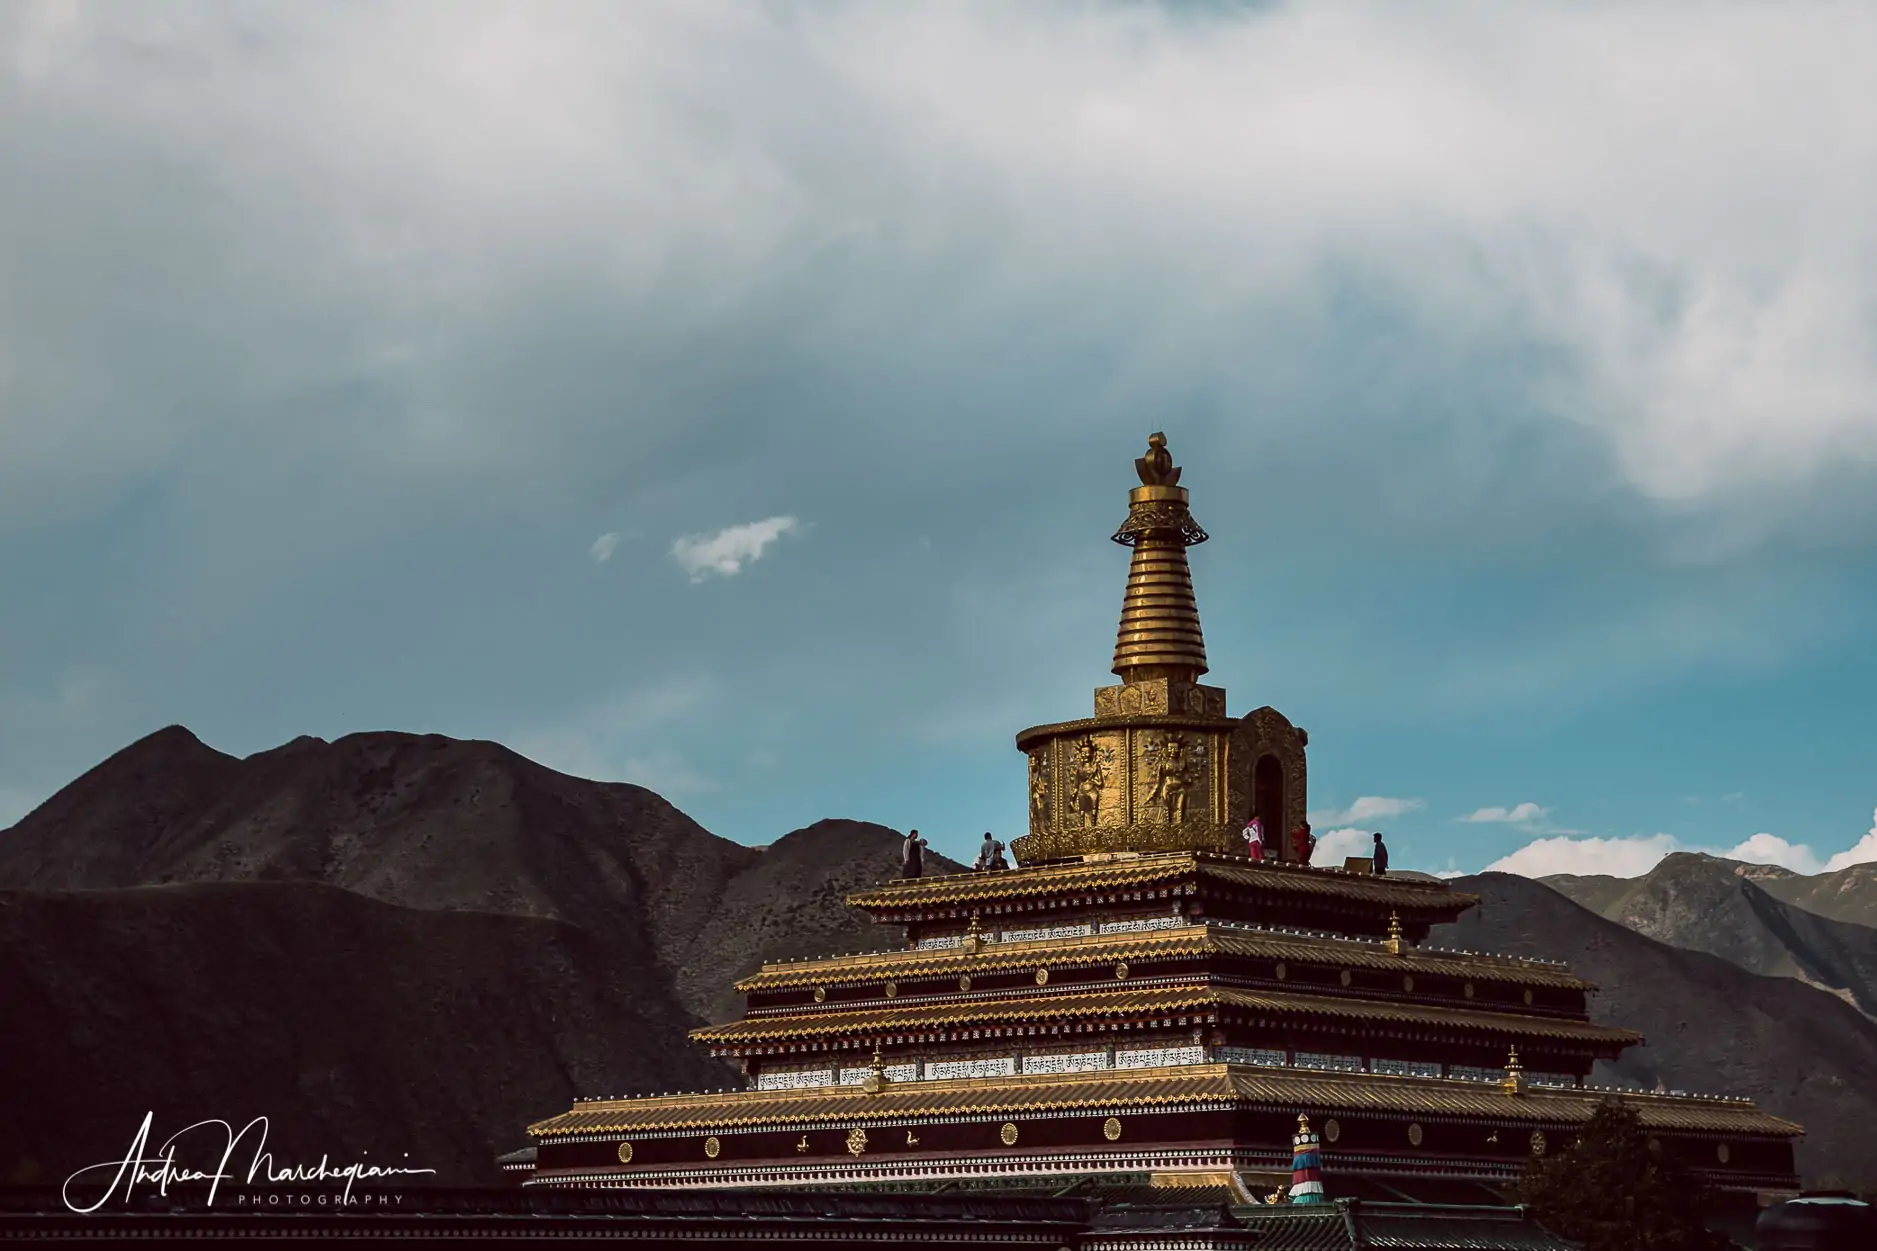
(1367, 808)
(602, 549)
(1522, 813)
(1617, 857)
(1335, 846)
(1635, 856)
(1864, 851)
(1491, 167)
(1766, 848)
(724, 553)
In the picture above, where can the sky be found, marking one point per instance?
(736, 398)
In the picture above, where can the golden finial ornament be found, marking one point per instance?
(1514, 1083)
(1159, 636)
(974, 936)
(876, 1080)
(1395, 944)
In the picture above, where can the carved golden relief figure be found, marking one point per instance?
(1039, 787)
(1088, 772)
(1173, 770)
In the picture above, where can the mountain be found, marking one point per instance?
(354, 1026)
(791, 904)
(437, 823)
(1728, 909)
(387, 940)
(1712, 1027)
(1850, 894)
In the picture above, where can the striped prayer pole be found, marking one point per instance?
(1306, 1169)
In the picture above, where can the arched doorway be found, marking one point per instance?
(1267, 788)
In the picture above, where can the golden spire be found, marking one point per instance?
(1394, 943)
(1514, 1083)
(876, 1079)
(1159, 635)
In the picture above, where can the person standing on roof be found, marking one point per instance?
(987, 852)
(912, 856)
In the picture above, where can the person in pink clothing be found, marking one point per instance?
(1254, 839)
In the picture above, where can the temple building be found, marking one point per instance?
(1140, 1002)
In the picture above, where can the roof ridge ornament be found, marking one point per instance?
(1514, 1083)
(876, 1080)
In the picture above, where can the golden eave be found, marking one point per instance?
(1166, 1089)
(1414, 899)
(918, 1019)
(1138, 948)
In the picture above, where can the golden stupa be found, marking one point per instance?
(1160, 766)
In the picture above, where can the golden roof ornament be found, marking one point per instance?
(1159, 636)
(1394, 946)
(974, 936)
(1514, 1083)
(877, 1080)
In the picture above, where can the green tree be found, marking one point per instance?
(1610, 1192)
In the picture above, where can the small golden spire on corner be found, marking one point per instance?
(877, 1080)
(1303, 1123)
(1514, 1083)
(1394, 945)
(974, 936)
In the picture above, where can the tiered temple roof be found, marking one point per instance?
(1141, 997)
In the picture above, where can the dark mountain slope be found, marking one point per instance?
(432, 822)
(1711, 1026)
(354, 1026)
(1726, 909)
(791, 904)
(140, 795)
(418, 820)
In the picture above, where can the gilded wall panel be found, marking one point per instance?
(1094, 777)
(1172, 778)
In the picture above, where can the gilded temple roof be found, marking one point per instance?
(1169, 944)
(1153, 1089)
(922, 1018)
(1105, 877)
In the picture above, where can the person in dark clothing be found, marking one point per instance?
(1381, 853)
(997, 857)
(912, 856)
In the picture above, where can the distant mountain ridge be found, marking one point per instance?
(1732, 910)
(1711, 1026)
(1849, 894)
(431, 822)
